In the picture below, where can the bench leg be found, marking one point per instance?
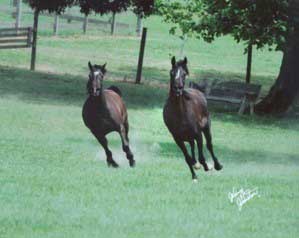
(251, 104)
(242, 107)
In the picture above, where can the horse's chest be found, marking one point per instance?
(99, 119)
(179, 123)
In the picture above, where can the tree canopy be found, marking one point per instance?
(105, 6)
(96, 6)
(256, 22)
(51, 6)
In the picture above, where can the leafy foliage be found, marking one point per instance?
(257, 22)
(51, 6)
(97, 6)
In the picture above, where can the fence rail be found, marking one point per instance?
(16, 13)
(11, 38)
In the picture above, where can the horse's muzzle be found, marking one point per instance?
(179, 92)
(96, 92)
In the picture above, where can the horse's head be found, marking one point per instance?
(178, 74)
(96, 76)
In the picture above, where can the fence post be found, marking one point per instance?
(249, 62)
(69, 20)
(56, 24)
(34, 42)
(141, 55)
(85, 23)
(139, 25)
(18, 13)
(113, 23)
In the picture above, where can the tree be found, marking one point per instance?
(105, 6)
(102, 7)
(57, 6)
(258, 23)
(286, 87)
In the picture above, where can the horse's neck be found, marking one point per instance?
(100, 101)
(177, 103)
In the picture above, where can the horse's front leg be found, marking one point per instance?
(207, 133)
(103, 141)
(196, 165)
(125, 144)
(188, 159)
(201, 158)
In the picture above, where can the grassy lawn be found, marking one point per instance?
(54, 181)
(223, 59)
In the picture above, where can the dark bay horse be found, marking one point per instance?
(104, 111)
(186, 117)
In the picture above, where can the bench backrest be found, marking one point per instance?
(11, 38)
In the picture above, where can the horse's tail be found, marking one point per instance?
(115, 89)
(199, 87)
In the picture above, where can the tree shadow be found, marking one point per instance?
(52, 88)
(150, 75)
(49, 88)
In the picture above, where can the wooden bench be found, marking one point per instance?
(231, 92)
(12, 38)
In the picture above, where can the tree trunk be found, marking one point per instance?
(249, 63)
(19, 12)
(139, 25)
(286, 87)
(34, 43)
(85, 24)
(141, 55)
(56, 24)
(113, 23)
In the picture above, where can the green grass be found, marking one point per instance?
(55, 183)
(223, 59)
(53, 178)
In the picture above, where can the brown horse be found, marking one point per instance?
(186, 117)
(104, 111)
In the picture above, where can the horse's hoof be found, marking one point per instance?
(195, 180)
(205, 166)
(112, 164)
(132, 163)
(218, 167)
(197, 166)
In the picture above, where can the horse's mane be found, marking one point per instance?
(115, 89)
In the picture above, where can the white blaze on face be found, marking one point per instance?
(96, 73)
(178, 74)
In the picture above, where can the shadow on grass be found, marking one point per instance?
(170, 150)
(69, 89)
(149, 74)
(50, 88)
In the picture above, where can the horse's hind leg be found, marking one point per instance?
(188, 159)
(201, 157)
(207, 133)
(196, 165)
(103, 141)
(125, 144)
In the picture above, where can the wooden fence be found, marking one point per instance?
(11, 38)
(17, 11)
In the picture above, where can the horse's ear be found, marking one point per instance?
(173, 61)
(90, 66)
(104, 65)
(185, 61)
